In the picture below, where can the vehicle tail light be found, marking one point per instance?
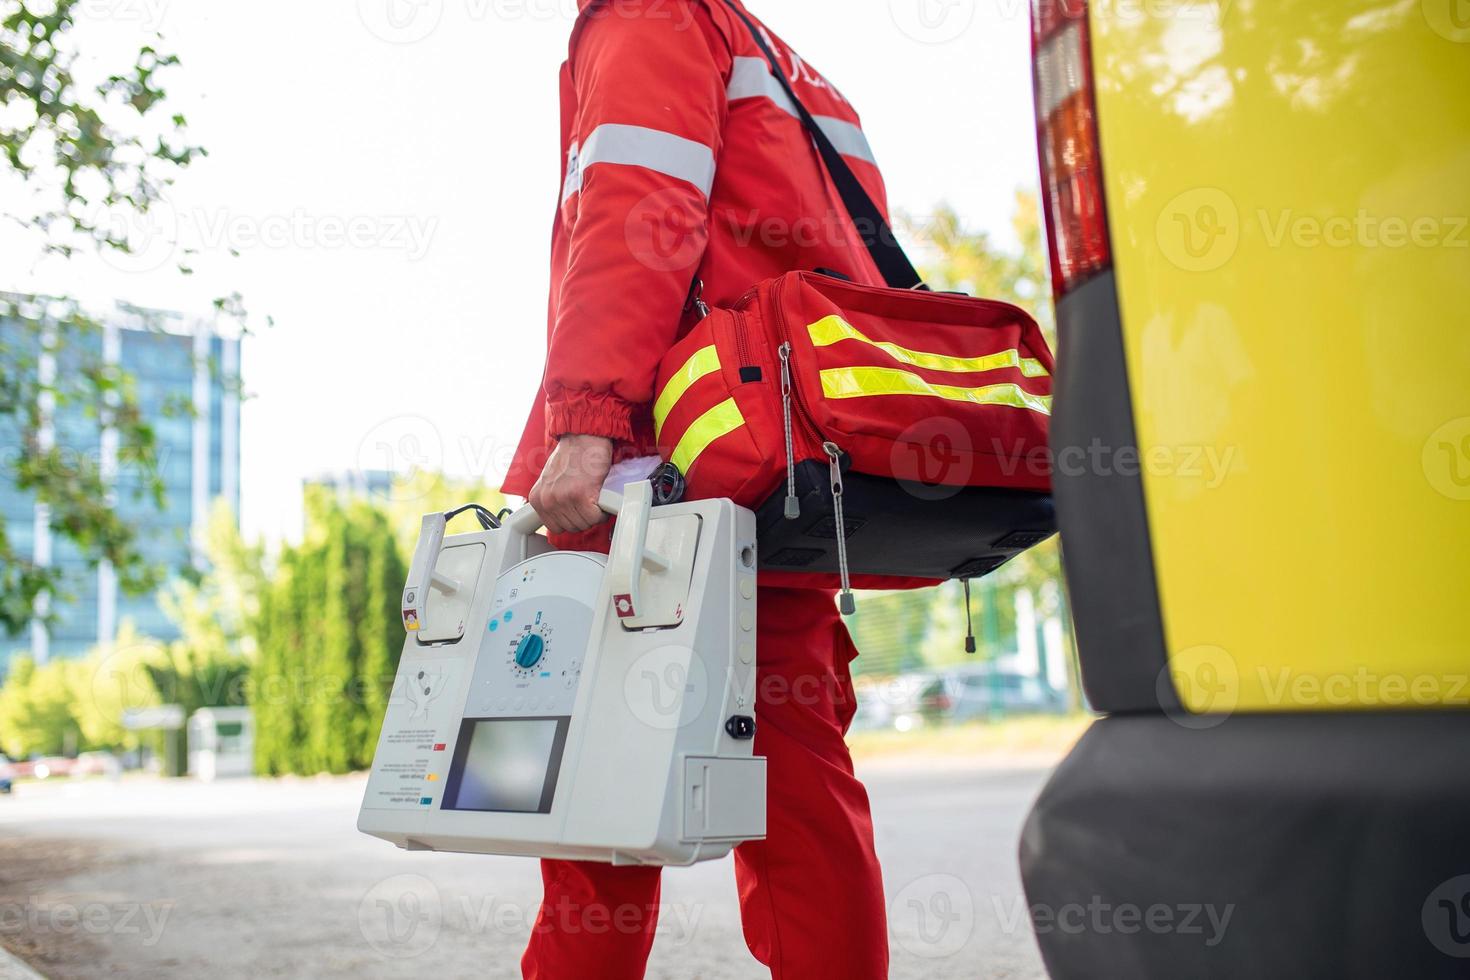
(1066, 135)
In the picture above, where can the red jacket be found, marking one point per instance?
(683, 160)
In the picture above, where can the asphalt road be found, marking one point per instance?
(270, 878)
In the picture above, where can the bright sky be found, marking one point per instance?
(388, 169)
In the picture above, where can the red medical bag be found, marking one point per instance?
(887, 436)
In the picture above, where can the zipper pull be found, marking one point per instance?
(793, 506)
(845, 601)
(969, 629)
(696, 299)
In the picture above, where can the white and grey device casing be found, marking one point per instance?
(650, 768)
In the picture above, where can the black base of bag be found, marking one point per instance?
(899, 529)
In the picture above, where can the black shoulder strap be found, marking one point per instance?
(889, 256)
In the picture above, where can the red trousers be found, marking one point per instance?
(811, 895)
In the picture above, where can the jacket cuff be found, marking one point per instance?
(590, 414)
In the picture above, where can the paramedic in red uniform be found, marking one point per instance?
(682, 161)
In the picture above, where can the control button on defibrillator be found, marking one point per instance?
(529, 650)
(740, 726)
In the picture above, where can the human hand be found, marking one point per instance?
(565, 497)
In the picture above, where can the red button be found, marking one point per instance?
(438, 746)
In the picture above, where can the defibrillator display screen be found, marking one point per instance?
(506, 765)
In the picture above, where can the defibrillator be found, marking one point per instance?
(568, 704)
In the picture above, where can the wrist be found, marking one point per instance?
(583, 439)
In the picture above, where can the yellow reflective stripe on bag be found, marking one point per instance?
(832, 329)
(704, 361)
(861, 382)
(723, 418)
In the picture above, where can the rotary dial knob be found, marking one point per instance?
(529, 651)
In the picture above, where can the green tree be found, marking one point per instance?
(36, 715)
(110, 680)
(277, 721)
(333, 646)
(969, 261)
(380, 640)
(207, 665)
(80, 163)
(328, 642)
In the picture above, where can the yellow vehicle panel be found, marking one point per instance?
(1288, 187)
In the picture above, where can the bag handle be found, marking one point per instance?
(895, 267)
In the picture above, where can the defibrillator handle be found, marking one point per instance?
(629, 554)
(525, 521)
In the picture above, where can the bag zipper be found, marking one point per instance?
(845, 600)
(928, 297)
(791, 403)
(792, 508)
(788, 385)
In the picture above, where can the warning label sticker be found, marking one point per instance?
(413, 757)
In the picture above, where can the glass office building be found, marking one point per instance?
(177, 364)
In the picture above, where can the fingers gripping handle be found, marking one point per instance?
(629, 554)
(525, 521)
